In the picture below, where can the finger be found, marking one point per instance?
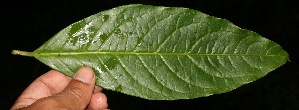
(46, 85)
(97, 89)
(98, 101)
(78, 92)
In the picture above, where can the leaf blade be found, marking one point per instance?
(162, 53)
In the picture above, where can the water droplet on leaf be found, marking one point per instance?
(103, 36)
(139, 40)
(73, 40)
(117, 31)
(105, 17)
(119, 88)
(111, 63)
(76, 27)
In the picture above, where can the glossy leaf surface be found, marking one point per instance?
(162, 53)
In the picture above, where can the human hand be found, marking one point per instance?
(56, 91)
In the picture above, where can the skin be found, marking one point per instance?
(56, 91)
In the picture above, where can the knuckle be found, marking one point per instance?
(77, 93)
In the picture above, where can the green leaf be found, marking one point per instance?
(161, 53)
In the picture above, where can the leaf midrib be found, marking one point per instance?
(145, 53)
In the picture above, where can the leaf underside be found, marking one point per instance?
(162, 53)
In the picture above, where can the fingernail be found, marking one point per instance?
(85, 75)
